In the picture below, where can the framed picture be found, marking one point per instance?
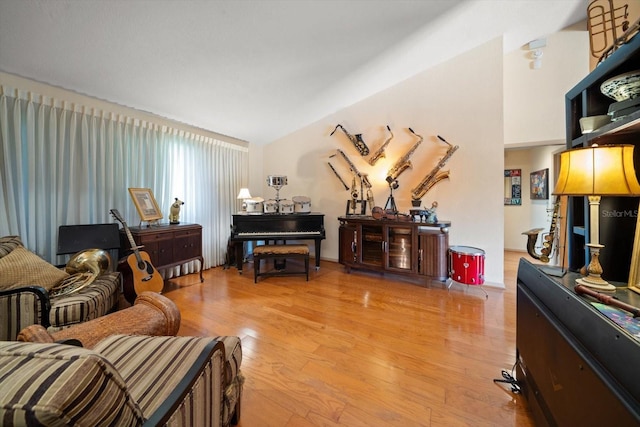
(512, 186)
(146, 204)
(539, 181)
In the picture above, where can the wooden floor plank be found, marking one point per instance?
(362, 349)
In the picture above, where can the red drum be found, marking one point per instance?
(466, 265)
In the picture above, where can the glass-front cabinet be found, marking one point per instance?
(394, 246)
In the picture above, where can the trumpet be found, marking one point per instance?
(380, 151)
(356, 140)
(403, 162)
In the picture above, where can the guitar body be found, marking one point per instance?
(138, 274)
(139, 277)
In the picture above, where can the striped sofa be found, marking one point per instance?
(28, 305)
(125, 380)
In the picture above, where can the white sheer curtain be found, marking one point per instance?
(62, 163)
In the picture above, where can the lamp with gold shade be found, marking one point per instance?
(594, 172)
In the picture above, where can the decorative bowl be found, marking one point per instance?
(592, 123)
(622, 87)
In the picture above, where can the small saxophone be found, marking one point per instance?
(435, 176)
(361, 176)
(548, 239)
(403, 162)
(356, 140)
(379, 153)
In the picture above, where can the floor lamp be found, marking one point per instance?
(594, 172)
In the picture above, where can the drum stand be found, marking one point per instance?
(450, 281)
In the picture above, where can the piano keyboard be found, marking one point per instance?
(278, 233)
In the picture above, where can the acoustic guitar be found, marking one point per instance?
(139, 275)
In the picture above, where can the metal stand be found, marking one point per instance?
(450, 281)
(391, 202)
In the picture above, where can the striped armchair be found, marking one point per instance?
(125, 380)
(29, 305)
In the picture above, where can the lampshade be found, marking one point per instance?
(597, 170)
(244, 194)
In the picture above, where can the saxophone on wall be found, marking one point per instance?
(546, 253)
(433, 177)
(379, 153)
(403, 162)
(355, 139)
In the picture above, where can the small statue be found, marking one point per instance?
(432, 218)
(174, 212)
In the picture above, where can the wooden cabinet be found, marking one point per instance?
(432, 254)
(575, 366)
(617, 214)
(408, 248)
(168, 245)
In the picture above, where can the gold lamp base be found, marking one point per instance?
(594, 278)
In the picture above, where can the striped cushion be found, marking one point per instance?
(19, 309)
(9, 243)
(53, 384)
(89, 303)
(156, 367)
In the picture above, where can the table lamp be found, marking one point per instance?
(594, 172)
(244, 195)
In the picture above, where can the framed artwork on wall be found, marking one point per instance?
(146, 204)
(513, 186)
(539, 181)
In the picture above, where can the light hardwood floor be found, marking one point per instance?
(362, 349)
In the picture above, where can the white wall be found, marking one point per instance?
(462, 101)
(534, 100)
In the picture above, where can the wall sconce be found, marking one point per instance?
(594, 172)
(244, 195)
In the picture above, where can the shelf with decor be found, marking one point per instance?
(617, 215)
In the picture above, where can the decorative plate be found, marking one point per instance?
(622, 87)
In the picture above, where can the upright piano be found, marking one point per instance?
(277, 227)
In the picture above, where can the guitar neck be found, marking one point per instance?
(132, 242)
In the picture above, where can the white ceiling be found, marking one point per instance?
(255, 70)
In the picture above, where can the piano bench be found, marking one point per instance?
(261, 252)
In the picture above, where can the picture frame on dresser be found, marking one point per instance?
(634, 270)
(145, 204)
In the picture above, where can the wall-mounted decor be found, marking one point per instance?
(513, 186)
(146, 204)
(539, 181)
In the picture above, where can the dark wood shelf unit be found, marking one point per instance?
(616, 232)
(414, 249)
(575, 366)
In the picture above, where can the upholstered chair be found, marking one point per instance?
(25, 300)
(127, 379)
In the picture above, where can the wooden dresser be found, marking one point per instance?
(168, 245)
(414, 249)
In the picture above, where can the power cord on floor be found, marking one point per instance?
(508, 378)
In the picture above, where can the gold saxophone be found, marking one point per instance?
(433, 177)
(356, 140)
(379, 153)
(548, 239)
(403, 162)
